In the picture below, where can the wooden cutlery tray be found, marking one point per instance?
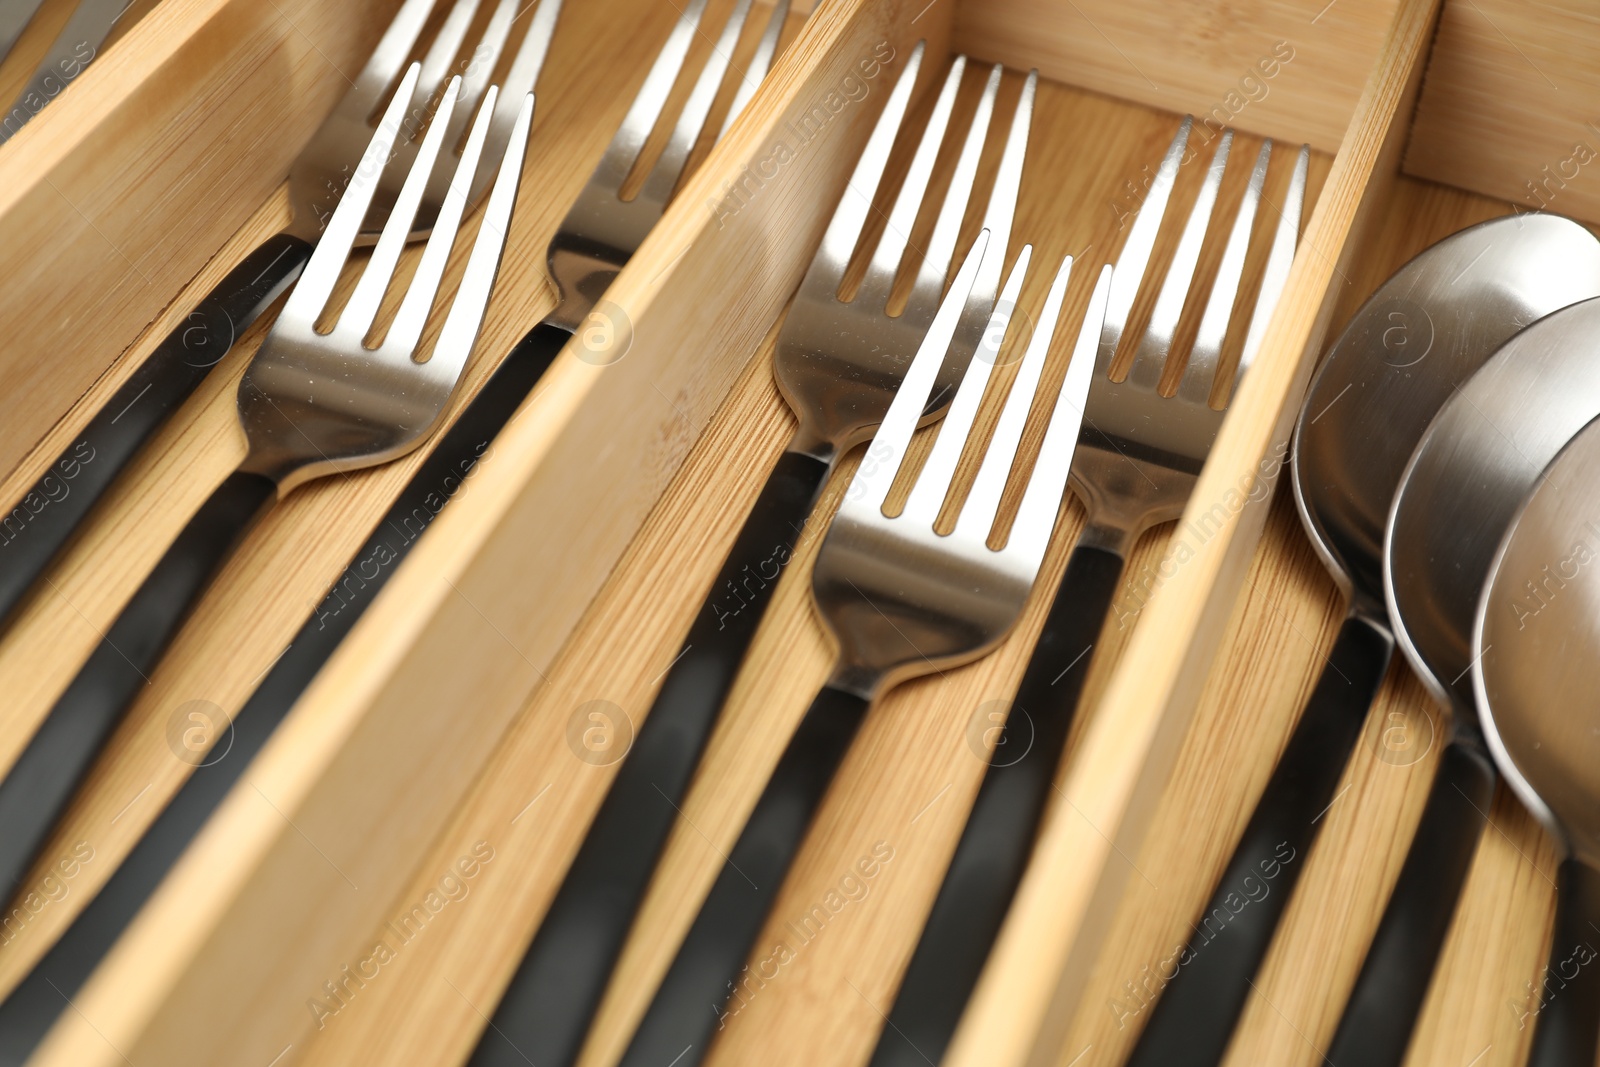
(473, 719)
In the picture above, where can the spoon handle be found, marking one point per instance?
(1383, 1008)
(1567, 1015)
(1207, 981)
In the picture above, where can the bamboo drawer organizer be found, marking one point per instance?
(566, 569)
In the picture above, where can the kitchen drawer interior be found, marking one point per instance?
(563, 577)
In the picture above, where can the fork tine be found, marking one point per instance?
(877, 283)
(933, 483)
(623, 151)
(478, 69)
(844, 230)
(1156, 343)
(387, 59)
(1207, 351)
(870, 486)
(441, 53)
(759, 64)
(461, 326)
(663, 177)
(519, 82)
(1279, 261)
(1135, 257)
(322, 271)
(1002, 206)
(406, 330)
(983, 502)
(1041, 501)
(935, 265)
(357, 318)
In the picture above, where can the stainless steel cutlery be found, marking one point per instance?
(1443, 465)
(838, 363)
(310, 404)
(28, 1011)
(177, 366)
(1136, 461)
(1535, 646)
(1403, 354)
(602, 230)
(1483, 454)
(902, 600)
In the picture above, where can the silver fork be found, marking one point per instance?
(316, 178)
(309, 404)
(601, 230)
(902, 600)
(838, 364)
(1136, 462)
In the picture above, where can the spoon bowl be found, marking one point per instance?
(1533, 678)
(1482, 455)
(1426, 329)
(1430, 326)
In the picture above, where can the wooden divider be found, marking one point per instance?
(132, 179)
(1115, 776)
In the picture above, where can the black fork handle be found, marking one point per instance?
(1205, 982)
(545, 1011)
(703, 988)
(994, 848)
(42, 522)
(1567, 1018)
(38, 787)
(27, 1014)
(1383, 1008)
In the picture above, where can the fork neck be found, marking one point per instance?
(808, 442)
(863, 681)
(1102, 531)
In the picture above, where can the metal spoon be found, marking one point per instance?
(1423, 332)
(1483, 454)
(1534, 683)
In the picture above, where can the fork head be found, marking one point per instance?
(602, 231)
(320, 173)
(903, 599)
(314, 403)
(838, 363)
(1139, 452)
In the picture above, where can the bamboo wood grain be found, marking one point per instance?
(1508, 106)
(421, 690)
(915, 753)
(288, 562)
(1280, 631)
(1038, 969)
(1239, 728)
(256, 919)
(118, 194)
(1506, 110)
(1214, 60)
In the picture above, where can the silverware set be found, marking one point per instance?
(839, 365)
(1431, 420)
(1443, 467)
(1134, 467)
